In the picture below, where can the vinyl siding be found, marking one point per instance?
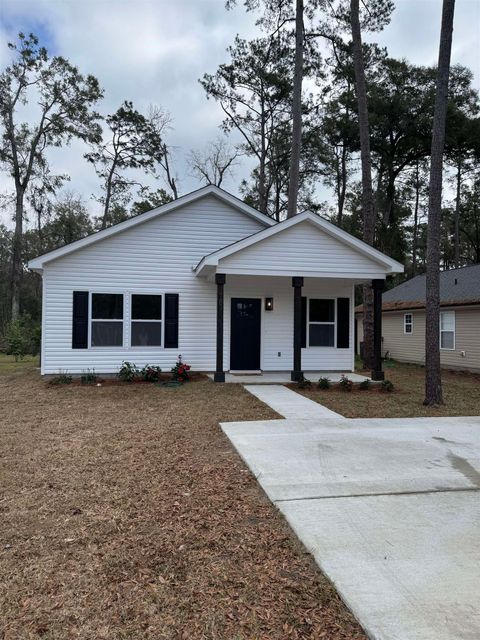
(154, 257)
(277, 325)
(301, 249)
(411, 347)
(157, 257)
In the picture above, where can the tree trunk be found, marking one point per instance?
(294, 173)
(433, 378)
(415, 222)
(367, 191)
(343, 185)
(457, 214)
(108, 195)
(17, 252)
(262, 187)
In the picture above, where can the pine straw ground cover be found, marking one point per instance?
(461, 393)
(125, 513)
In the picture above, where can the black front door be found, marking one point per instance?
(245, 334)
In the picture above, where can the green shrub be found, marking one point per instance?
(304, 383)
(364, 384)
(345, 383)
(150, 373)
(89, 377)
(386, 386)
(324, 383)
(22, 337)
(127, 372)
(62, 378)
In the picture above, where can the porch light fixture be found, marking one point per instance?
(268, 304)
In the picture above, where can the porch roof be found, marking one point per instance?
(305, 245)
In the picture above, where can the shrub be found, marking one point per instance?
(324, 383)
(386, 386)
(62, 378)
(364, 384)
(150, 373)
(345, 383)
(127, 372)
(89, 377)
(304, 383)
(180, 371)
(22, 337)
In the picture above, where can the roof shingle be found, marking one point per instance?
(457, 287)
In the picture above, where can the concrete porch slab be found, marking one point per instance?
(283, 377)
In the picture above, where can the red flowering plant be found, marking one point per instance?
(180, 371)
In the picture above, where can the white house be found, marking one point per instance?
(208, 277)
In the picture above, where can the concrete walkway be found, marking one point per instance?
(390, 510)
(288, 403)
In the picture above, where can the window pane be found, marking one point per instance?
(321, 335)
(107, 334)
(447, 321)
(146, 334)
(107, 306)
(408, 328)
(446, 339)
(146, 307)
(322, 310)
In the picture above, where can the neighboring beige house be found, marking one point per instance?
(403, 320)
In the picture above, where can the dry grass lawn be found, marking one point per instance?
(9, 366)
(125, 513)
(461, 393)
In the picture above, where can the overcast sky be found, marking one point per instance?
(154, 51)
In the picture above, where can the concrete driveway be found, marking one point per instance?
(389, 508)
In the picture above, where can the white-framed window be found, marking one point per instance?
(321, 322)
(146, 320)
(106, 320)
(447, 330)
(408, 323)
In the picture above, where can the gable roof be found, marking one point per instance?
(212, 259)
(457, 287)
(37, 263)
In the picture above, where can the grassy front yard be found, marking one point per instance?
(125, 513)
(461, 394)
(8, 365)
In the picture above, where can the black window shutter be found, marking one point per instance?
(304, 322)
(343, 323)
(171, 320)
(80, 320)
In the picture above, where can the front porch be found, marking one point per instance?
(284, 377)
(285, 300)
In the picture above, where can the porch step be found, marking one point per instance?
(290, 404)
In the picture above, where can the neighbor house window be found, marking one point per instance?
(447, 330)
(107, 320)
(408, 323)
(146, 326)
(321, 323)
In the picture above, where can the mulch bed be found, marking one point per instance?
(113, 381)
(125, 513)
